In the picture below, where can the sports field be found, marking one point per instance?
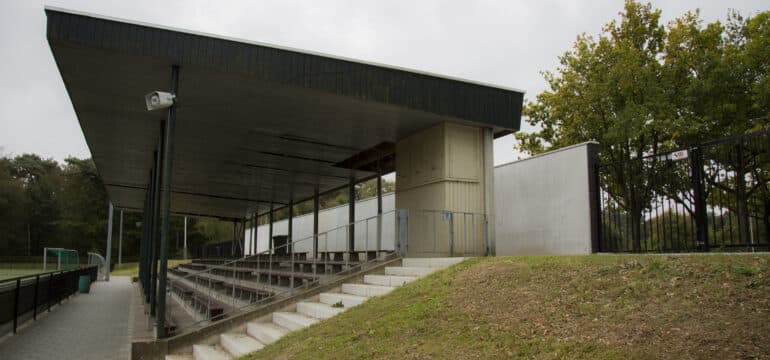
(11, 270)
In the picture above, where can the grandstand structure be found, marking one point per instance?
(255, 128)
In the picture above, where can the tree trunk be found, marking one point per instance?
(741, 201)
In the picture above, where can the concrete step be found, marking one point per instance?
(292, 321)
(437, 263)
(209, 352)
(239, 344)
(408, 271)
(180, 357)
(266, 333)
(388, 280)
(365, 289)
(317, 310)
(346, 299)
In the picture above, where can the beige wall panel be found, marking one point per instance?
(464, 152)
(441, 168)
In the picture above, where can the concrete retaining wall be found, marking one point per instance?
(544, 203)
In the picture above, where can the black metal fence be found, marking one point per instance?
(711, 197)
(24, 297)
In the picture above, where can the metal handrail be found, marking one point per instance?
(317, 278)
(271, 251)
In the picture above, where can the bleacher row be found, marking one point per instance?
(215, 287)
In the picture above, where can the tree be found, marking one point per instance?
(13, 210)
(41, 179)
(640, 89)
(608, 90)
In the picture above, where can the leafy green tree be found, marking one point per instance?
(13, 211)
(41, 179)
(608, 89)
(640, 88)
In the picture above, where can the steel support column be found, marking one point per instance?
(109, 241)
(155, 223)
(351, 216)
(141, 240)
(243, 237)
(291, 224)
(254, 227)
(316, 209)
(270, 229)
(379, 209)
(168, 158)
(120, 240)
(232, 243)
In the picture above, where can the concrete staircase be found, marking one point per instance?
(309, 311)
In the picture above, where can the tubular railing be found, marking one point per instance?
(26, 296)
(218, 288)
(97, 260)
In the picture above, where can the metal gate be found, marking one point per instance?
(711, 197)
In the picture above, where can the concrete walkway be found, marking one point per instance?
(87, 326)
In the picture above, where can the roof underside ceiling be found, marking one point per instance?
(255, 124)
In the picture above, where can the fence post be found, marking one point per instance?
(50, 291)
(16, 305)
(34, 308)
(701, 219)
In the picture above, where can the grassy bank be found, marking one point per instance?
(132, 268)
(590, 307)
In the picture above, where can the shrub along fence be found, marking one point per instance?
(24, 297)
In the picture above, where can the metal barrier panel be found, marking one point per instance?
(25, 297)
(713, 196)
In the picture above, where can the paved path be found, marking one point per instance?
(88, 326)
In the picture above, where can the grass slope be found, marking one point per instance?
(590, 307)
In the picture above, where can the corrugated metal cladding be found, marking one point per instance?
(499, 108)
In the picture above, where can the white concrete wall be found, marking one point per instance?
(333, 233)
(543, 203)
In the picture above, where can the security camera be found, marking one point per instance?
(159, 100)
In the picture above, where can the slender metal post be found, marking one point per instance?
(50, 291)
(316, 209)
(270, 228)
(143, 261)
(34, 309)
(184, 246)
(254, 235)
(16, 304)
(109, 241)
(168, 158)
(120, 240)
(701, 218)
(351, 216)
(156, 222)
(379, 210)
(289, 245)
(243, 237)
(232, 243)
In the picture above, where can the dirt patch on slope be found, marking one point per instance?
(680, 307)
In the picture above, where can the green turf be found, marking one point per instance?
(11, 273)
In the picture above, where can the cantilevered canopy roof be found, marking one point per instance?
(256, 123)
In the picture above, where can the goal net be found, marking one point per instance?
(60, 259)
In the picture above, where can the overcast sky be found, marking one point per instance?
(500, 42)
